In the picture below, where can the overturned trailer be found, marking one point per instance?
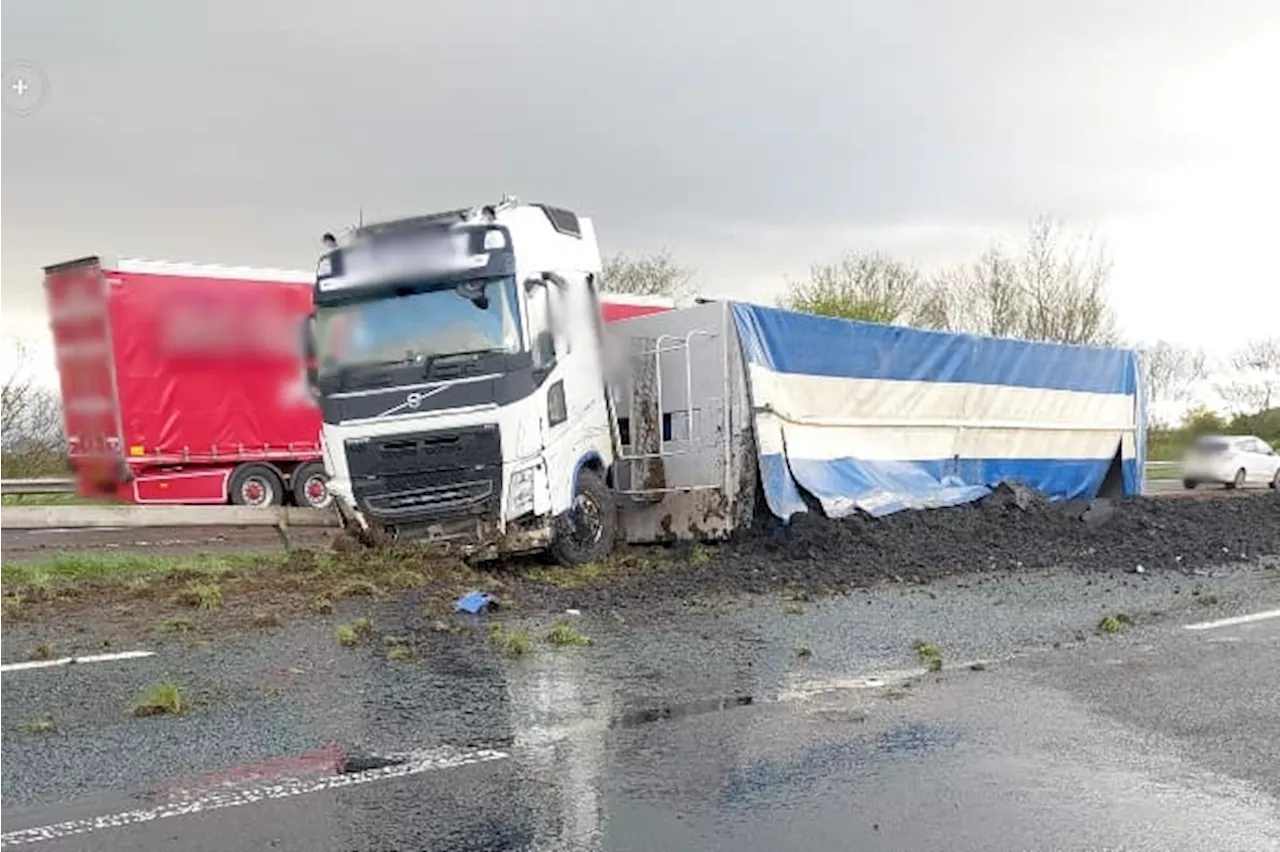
(472, 396)
(724, 403)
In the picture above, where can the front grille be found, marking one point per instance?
(423, 476)
(463, 498)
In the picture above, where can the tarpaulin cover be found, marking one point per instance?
(880, 419)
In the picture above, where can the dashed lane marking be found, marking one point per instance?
(1233, 621)
(414, 763)
(66, 661)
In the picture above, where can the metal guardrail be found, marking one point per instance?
(127, 516)
(37, 486)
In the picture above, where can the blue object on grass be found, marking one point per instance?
(472, 602)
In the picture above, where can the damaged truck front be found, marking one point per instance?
(457, 362)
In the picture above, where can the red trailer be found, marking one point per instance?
(184, 383)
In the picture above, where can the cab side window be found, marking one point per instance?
(541, 332)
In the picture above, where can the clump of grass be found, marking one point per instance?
(322, 606)
(203, 596)
(355, 588)
(804, 652)
(568, 576)
(399, 654)
(39, 725)
(514, 643)
(266, 619)
(1113, 623)
(349, 634)
(11, 606)
(563, 633)
(44, 651)
(178, 625)
(518, 644)
(792, 608)
(928, 654)
(406, 579)
(162, 698)
(702, 555)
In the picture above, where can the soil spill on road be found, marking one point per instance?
(667, 712)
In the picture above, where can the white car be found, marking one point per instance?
(1231, 460)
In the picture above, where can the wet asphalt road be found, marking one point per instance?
(703, 730)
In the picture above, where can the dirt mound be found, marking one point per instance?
(1015, 530)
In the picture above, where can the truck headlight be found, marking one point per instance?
(520, 491)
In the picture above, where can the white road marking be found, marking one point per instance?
(415, 763)
(65, 661)
(62, 530)
(1231, 622)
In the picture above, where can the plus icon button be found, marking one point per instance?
(25, 88)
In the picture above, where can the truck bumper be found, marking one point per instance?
(469, 536)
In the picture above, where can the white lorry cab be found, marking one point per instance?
(458, 362)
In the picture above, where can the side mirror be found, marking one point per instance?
(544, 350)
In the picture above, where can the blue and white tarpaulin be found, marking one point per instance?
(881, 418)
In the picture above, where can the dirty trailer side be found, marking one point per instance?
(723, 402)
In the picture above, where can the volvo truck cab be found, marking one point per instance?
(458, 362)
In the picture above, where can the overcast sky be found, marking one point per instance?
(750, 138)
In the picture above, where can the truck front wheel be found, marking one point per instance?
(256, 485)
(586, 532)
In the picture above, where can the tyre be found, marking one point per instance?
(310, 486)
(1275, 480)
(1189, 484)
(586, 532)
(1238, 482)
(256, 485)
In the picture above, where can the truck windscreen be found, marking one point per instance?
(418, 322)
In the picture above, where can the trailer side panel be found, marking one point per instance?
(881, 418)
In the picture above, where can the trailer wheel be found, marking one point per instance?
(585, 533)
(256, 485)
(311, 486)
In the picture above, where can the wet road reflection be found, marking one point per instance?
(684, 736)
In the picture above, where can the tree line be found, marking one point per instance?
(31, 430)
(1050, 285)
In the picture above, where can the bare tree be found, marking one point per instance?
(1053, 287)
(1255, 385)
(655, 274)
(30, 420)
(1170, 372)
(867, 287)
(1064, 277)
(15, 396)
